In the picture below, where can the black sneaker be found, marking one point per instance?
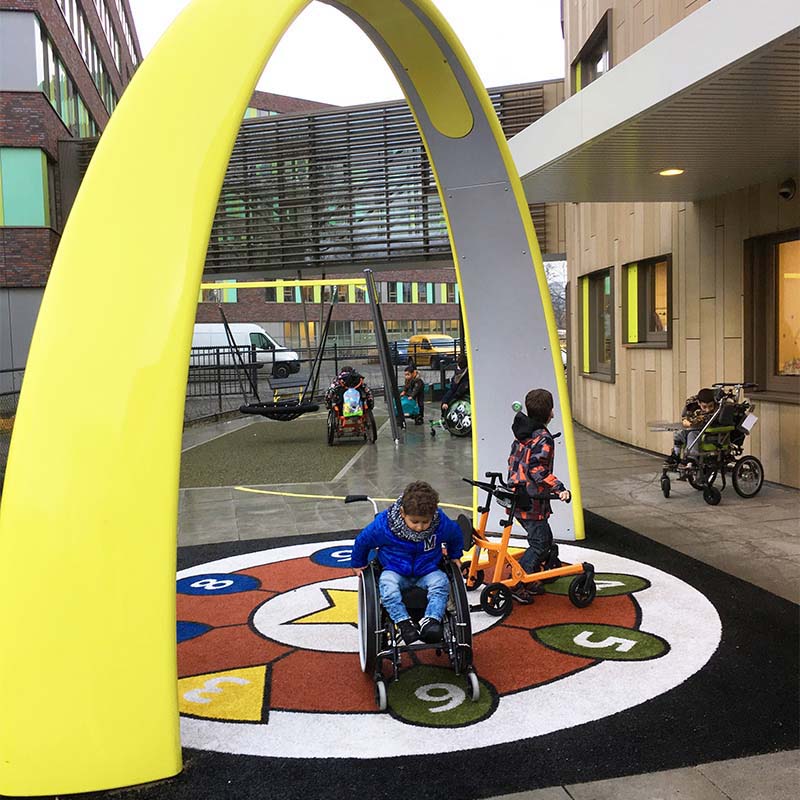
(672, 459)
(408, 630)
(522, 594)
(430, 630)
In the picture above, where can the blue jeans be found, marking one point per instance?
(392, 584)
(540, 540)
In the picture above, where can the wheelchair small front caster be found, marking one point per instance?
(712, 495)
(381, 696)
(666, 485)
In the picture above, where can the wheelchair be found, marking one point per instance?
(380, 645)
(503, 567)
(717, 450)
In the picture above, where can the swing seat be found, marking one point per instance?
(282, 410)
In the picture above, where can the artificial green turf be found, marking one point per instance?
(268, 453)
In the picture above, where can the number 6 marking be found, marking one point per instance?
(453, 696)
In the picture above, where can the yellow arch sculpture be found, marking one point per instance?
(89, 512)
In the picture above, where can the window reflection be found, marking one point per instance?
(788, 318)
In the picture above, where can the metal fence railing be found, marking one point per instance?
(10, 384)
(216, 386)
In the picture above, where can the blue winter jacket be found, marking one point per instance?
(412, 559)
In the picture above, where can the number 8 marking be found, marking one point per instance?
(452, 694)
(209, 584)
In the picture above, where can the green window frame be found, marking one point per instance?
(647, 303)
(596, 297)
(24, 188)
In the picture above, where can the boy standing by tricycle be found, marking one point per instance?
(530, 466)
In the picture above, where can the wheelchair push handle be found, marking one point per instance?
(356, 498)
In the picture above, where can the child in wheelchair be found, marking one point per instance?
(410, 536)
(696, 413)
(710, 443)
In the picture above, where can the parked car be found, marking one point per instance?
(432, 351)
(399, 351)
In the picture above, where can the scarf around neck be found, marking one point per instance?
(399, 528)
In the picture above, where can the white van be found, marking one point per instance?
(278, 358)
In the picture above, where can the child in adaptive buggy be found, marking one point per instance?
(710, 443)
(349, 402)
(411, 593)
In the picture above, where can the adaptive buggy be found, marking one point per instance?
(718, 448)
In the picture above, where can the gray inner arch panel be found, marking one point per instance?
(502, 305)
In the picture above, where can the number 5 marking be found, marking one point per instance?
(623, 645)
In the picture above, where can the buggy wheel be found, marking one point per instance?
(476, 581)
(332, 422)
(496, 599)
(369, 617)
(371, 434)
(474, 686)
(381, 696)
(665, 485)
(712, 495)
(696, 479)
(582, 590)
(748, 476)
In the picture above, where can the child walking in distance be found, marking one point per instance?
(530, 465)
(409, 536)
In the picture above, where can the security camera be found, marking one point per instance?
(787, 189)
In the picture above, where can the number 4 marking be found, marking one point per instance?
(623, 645)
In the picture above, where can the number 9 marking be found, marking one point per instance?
(452, 696)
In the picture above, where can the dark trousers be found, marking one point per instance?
(540, 540)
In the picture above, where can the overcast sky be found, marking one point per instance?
(325, 57)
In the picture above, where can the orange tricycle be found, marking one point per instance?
(492, 559)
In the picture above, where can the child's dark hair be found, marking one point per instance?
(705, 396)
(420, 499)
(538, 405)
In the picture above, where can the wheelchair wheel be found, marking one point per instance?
(473, 584)
(474, 686)
(496, 599)
(369, 618)
(372, 429)
(462, 624)
(696, 480)
(332, 424)
(666, 485)
(748, 476)
(582, 590)
(712, 495)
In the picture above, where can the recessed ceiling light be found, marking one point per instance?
(668, 173)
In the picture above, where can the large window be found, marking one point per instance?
(772, 313)
(597, 324)
(594, 59)
(221, 295)
(647, 302)
(25, 197)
